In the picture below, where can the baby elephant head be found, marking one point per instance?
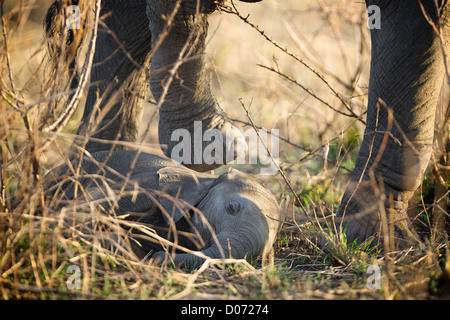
(231, 215)
(235, 214)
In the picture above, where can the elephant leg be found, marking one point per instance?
(179, 82)
(406, 74)
(118, 91)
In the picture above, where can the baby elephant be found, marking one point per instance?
(231, 215)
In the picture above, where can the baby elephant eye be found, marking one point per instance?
(233, 207)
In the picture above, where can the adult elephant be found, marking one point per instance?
(407, 70)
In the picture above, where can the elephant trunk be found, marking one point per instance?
(247, 243)
(406, 76)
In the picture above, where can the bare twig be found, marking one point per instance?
(236, 12)
(310, 92)
(84, 79)
(285, 178)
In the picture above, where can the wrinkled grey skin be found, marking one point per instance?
(407, 71)
(189, 97)
(126, 37)
(240, 211)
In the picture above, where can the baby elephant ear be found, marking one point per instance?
(181, 189)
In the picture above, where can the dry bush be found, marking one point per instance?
(297, 66)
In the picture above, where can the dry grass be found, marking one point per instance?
(297, 66)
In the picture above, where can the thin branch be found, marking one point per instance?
(84, 79)
(236, 12)
(353, 115)
(283, 175)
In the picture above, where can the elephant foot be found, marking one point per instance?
(203, 144)
(366, 219)
(391, 232)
